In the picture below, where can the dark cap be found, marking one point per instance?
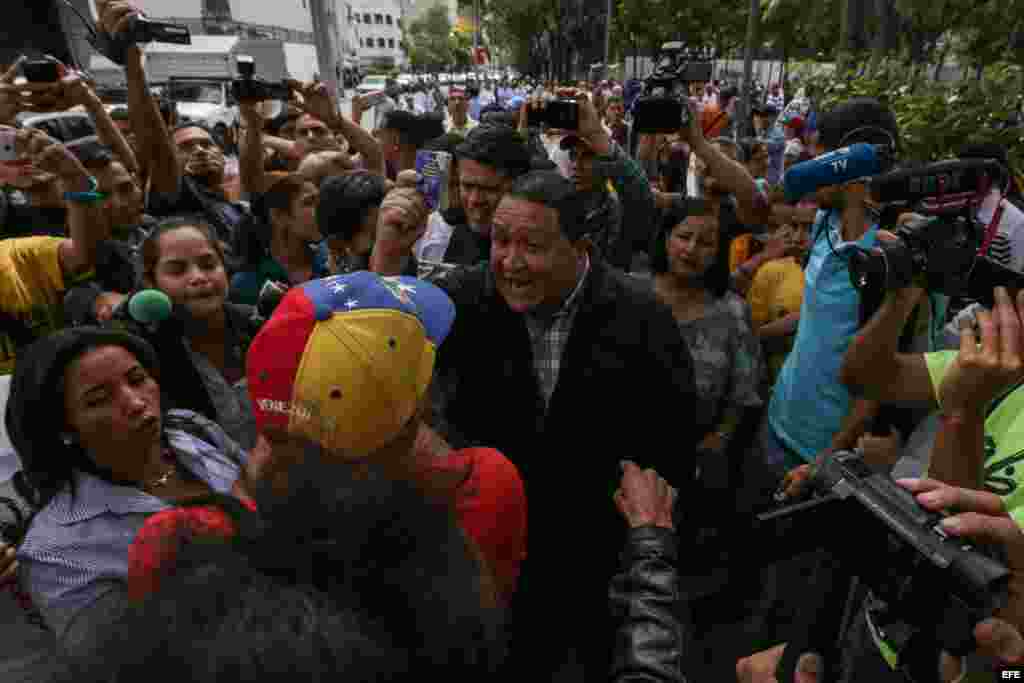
(862, 119)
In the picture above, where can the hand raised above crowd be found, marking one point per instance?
(115, 15)
(985, 368)
(590, 127)
(20, 97)
(50, 156)
(316, 100)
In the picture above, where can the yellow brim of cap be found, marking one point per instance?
(362, 378)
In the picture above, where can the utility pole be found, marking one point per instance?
(325, 25)
(608, 40)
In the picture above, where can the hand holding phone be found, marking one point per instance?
(45, 70)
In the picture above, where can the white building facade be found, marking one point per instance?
(377, 29)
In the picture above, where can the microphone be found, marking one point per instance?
(146, 307)
(935, 181)
(844, 165)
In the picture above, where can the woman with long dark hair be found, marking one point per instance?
(99, 456)
(690, 267)
(202, 345)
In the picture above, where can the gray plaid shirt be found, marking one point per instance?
(549, 335)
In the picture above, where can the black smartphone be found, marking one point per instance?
(41, 71)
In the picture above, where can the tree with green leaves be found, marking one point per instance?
(429, 40)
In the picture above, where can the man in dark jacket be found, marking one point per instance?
(568, 367)
(490, 159)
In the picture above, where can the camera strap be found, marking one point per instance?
(714, 122)
(993, 228)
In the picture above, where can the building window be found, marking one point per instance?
(369, 42)
(388, 18)
(379, 18)
(357, 17)
(367, 19)
(391, 43)
(380, 42)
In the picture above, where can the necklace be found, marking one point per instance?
(172, 467)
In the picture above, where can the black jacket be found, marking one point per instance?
(653, 624)
(625, 390)
(466, 246)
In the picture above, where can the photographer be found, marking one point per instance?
(809, 415)
(977, 515)
(321, 113)
(37, 270)
(186, 166)
(596, 166)
(977, 389)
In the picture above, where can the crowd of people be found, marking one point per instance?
(362, 416)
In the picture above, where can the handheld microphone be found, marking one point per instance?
(844, 165)
(935, 181)
(146, 307)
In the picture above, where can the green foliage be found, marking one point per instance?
(935, 119)
(516, 26)
(429, 41)
(719, 23)
(795, 26)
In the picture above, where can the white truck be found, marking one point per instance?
(198, 76)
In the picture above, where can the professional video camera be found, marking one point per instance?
(140, 30)
(248, 88)
(945, 249)
(663, 105)
(932, 589)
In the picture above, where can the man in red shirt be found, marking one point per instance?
(347, 362)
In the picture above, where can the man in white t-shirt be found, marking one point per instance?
(1007, 248)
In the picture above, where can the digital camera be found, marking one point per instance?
(662, 106)
(248, 88)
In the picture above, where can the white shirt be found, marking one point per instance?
(1008, 246)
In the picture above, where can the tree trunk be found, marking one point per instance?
(753, 40)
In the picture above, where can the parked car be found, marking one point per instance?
(372, 83)
(206, 101)
(63, 126)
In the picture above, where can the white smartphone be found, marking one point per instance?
(7, 151)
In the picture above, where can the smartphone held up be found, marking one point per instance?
(563, 114)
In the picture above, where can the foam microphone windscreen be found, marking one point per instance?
(32, 28)
(934, 180)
